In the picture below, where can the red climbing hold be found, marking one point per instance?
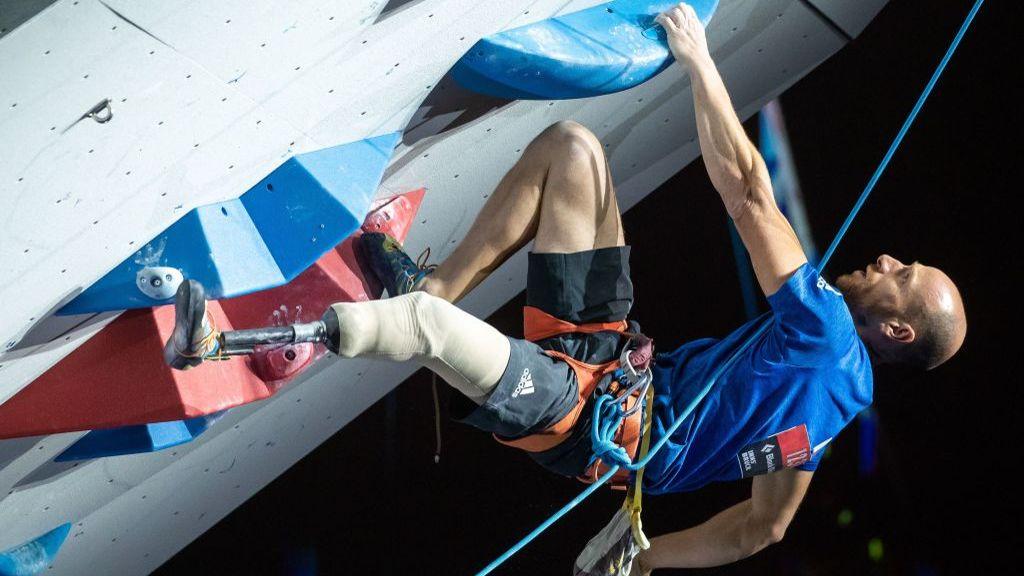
(118, 377)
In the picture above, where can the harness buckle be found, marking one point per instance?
(633, 378)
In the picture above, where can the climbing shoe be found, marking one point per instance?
(194, 338)
(399, 274)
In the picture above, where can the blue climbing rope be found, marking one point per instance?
(603, 431)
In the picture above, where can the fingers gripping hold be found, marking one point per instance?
(685, 32)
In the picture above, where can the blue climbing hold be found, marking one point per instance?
(137, 439)
(600, 50)
(35, 556)
(263, 239)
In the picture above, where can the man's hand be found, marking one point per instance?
(685, 33)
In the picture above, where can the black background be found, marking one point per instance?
(945, 498)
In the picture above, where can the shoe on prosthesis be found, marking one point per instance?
(389, 262)
(195, 338)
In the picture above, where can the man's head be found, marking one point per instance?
(905, 314)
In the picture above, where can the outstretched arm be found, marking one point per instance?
(736, 168)
(736, 532)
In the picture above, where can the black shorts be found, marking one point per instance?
(537, 390)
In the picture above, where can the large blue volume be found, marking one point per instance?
(263, 239)
(137, 439)
(600, 50)
(36, 556)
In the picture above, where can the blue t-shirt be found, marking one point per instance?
(778, 405)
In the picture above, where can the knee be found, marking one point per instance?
(569, 133)
(574, 144)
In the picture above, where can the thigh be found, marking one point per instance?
(579, 210)
(581, 287)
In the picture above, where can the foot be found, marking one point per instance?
(399, 274)
(194, 338)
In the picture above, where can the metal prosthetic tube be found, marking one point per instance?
(241, 342)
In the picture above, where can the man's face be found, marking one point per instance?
(888, 288)
(888, 298)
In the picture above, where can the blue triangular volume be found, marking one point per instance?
(137, 439)
(345, 178)
(36, 556)
(601, 50)
(263, 239)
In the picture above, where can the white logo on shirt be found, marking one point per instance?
(822, 445)
(525, 385)
(822, 285)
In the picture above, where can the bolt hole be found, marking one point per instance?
(223, 210)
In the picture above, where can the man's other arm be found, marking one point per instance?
(735, 533)
(736, 168)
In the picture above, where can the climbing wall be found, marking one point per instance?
(207, 99)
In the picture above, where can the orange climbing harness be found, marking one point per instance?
(539, 325)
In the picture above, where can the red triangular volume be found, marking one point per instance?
(118, 377)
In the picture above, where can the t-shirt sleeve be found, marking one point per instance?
(812, 324)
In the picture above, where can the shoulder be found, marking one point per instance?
(812, 320)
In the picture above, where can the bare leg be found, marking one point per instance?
(559, 192)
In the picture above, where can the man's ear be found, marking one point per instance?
(900, 331)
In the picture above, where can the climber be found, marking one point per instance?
(770, 415)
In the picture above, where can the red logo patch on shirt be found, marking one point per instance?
(787, 449)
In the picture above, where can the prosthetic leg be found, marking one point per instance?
(466, 352)
(195, 339)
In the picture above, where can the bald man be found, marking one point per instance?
(769, 416)
(772, 414)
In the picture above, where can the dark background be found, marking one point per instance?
(944, 498)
